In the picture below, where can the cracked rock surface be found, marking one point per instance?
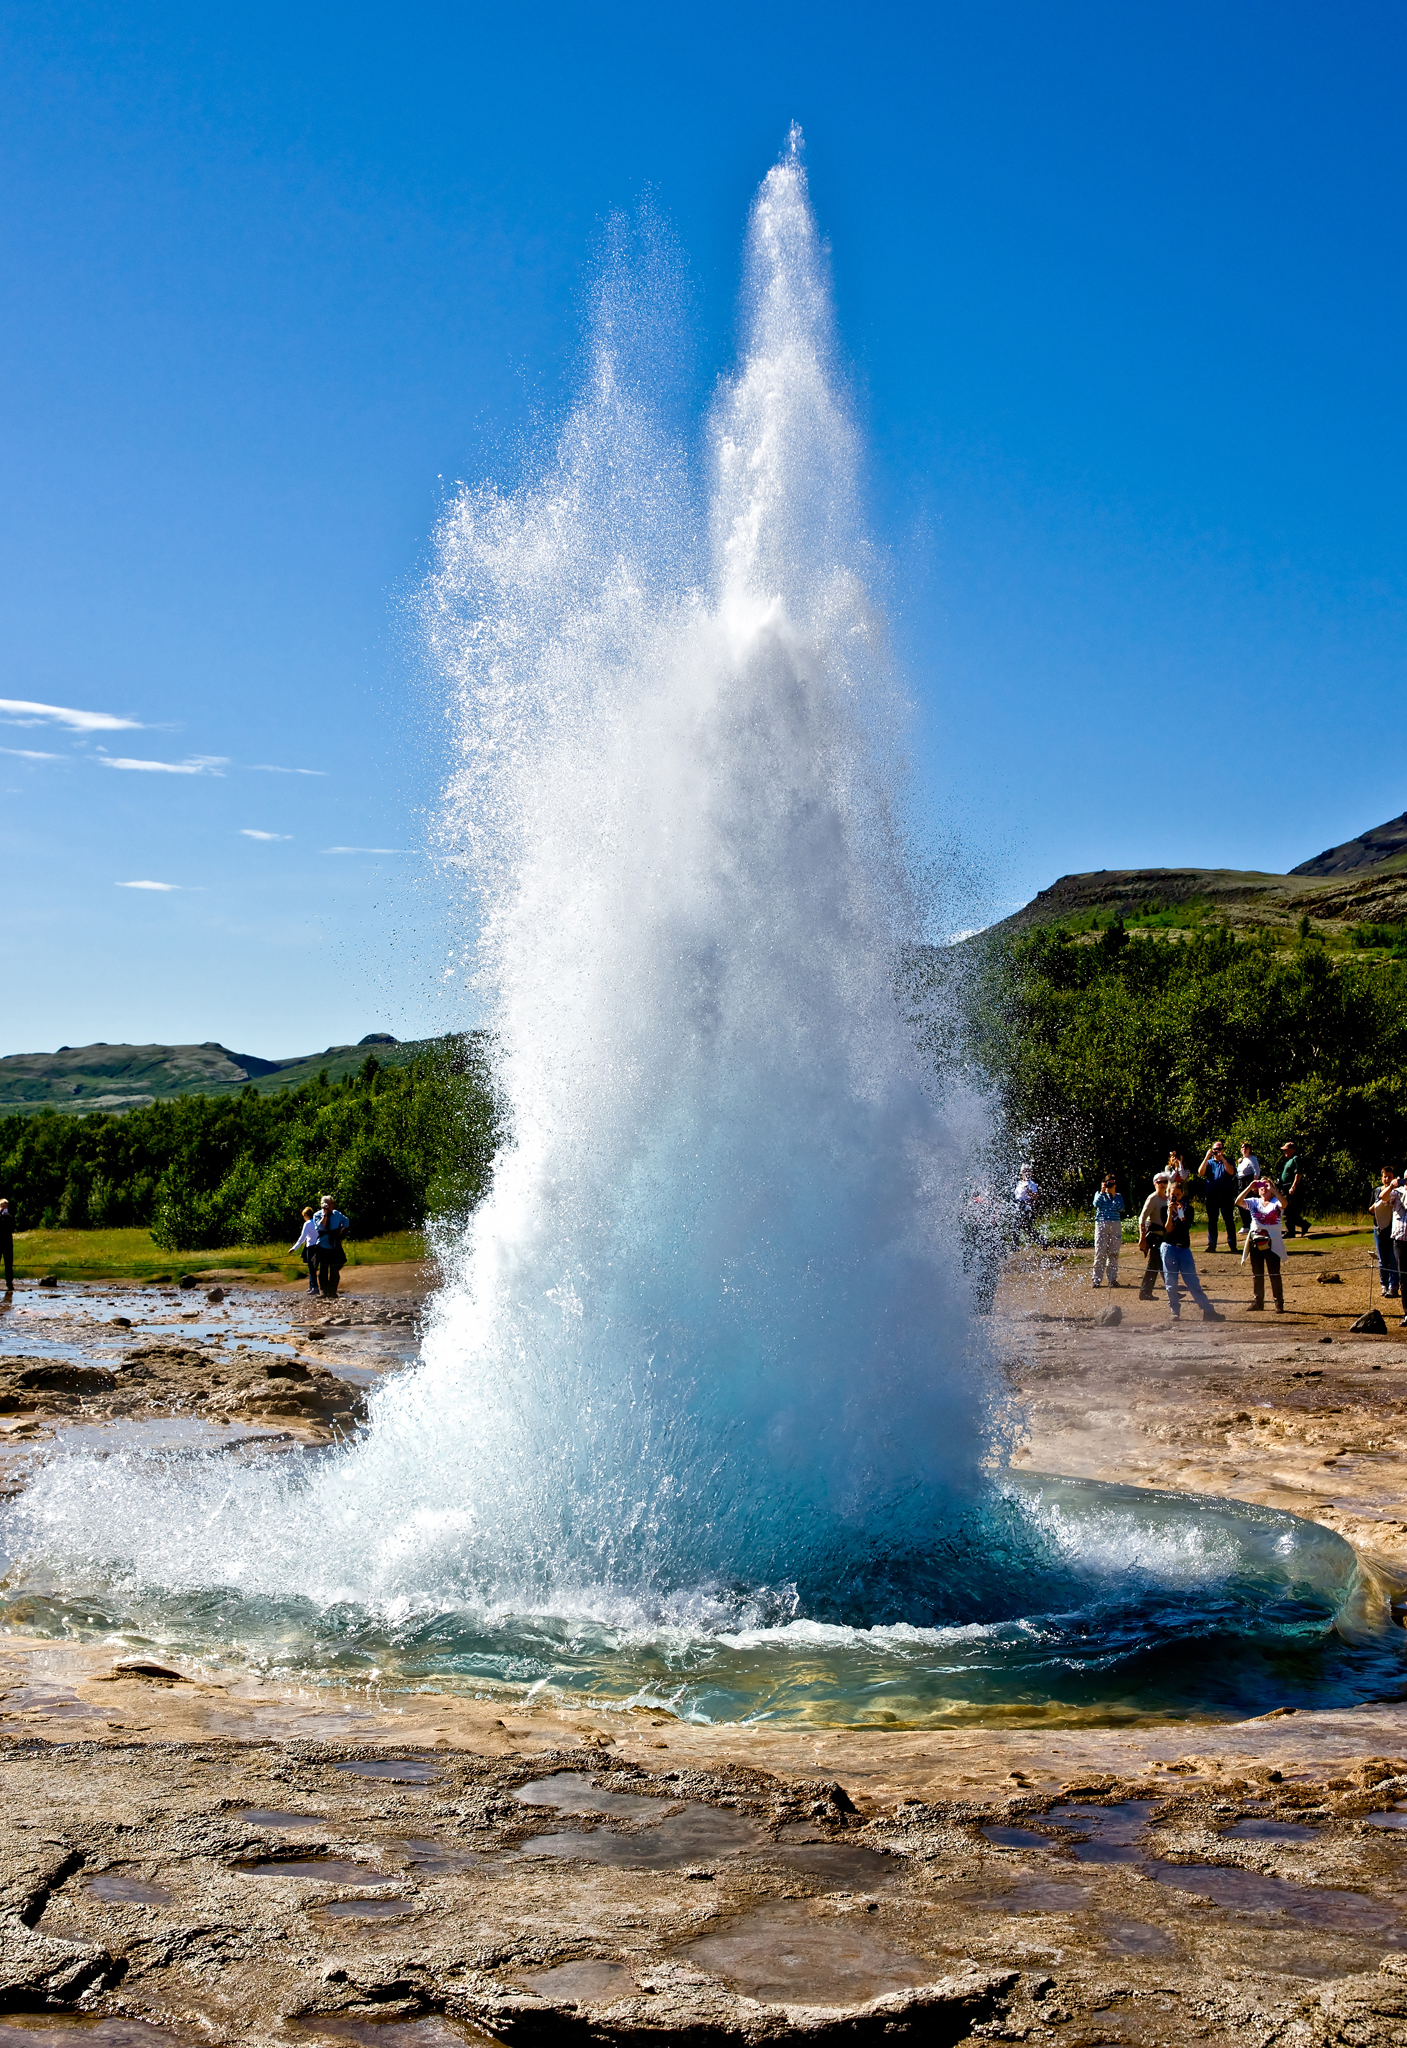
(227, 1890)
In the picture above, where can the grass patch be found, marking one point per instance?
(134, 1255)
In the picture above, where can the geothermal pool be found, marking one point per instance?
(704, 1416)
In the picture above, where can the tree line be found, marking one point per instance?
(395, 1146)
(1105, 1055)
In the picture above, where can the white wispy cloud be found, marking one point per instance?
(166, 888)
(363, 849)
(19, 711)
(248, 832)
(28, 754)
(194, 764)
(268, 768)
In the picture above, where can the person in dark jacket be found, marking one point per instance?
(1293, 1191)
(7, 1242)
(1178, 1263)
(332, 1227)
(1220, 1175)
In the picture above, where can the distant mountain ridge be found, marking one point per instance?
(115, 1077)
(1367, 851)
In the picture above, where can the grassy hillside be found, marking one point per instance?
(1244, 901)
(136, 1256)
(118, 1077)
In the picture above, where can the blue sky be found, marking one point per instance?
(1120, 288)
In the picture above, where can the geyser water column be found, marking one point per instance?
(708, 1321)
(702, 1411)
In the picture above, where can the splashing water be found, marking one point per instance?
(703, 1409)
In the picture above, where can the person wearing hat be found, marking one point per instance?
(1292, 1190)
(1151, 1218)
(331, 1227)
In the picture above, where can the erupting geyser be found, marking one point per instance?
(702, 1407)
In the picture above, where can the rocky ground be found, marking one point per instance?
(193, 1854)
(1291, 1411)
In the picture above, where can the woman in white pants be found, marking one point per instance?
(1108, 1231)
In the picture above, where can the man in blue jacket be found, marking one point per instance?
(1108, 1231)
(332, 1225)
(1220, 1175)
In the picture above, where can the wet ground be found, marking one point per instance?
(193, 1853)
(218, 1890)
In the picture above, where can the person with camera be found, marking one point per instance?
(1265, 1242)
(1220, 1175)
(1381, 1211)
(1108, 1231)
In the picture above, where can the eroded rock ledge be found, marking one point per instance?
(282, 1891)
(243, 1384)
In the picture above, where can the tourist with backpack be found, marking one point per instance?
(332, 1227)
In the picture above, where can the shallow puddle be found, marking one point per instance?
(432, 2032)
(1115, 1831)
(31, 1699)
(841, 1866)
(1272, 1831)
(281, 1823)
(581, 1983)
(786, 1954)
(1035, 1895)
(54, 2030)
(573, 1792)
(318, 1869)
(364, 1909)
(117, 1888)
(1017, 1838)
(1386, 1820)
(1247, 1891)
(693, 1834)
(443, 1859)
(1136, 1938)
(398, 1770)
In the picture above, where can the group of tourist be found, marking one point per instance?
(1272, 1212)
(320, 1243)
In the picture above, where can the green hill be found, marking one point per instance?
(1245, 899)
(1341, 891)
(118, 1077)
